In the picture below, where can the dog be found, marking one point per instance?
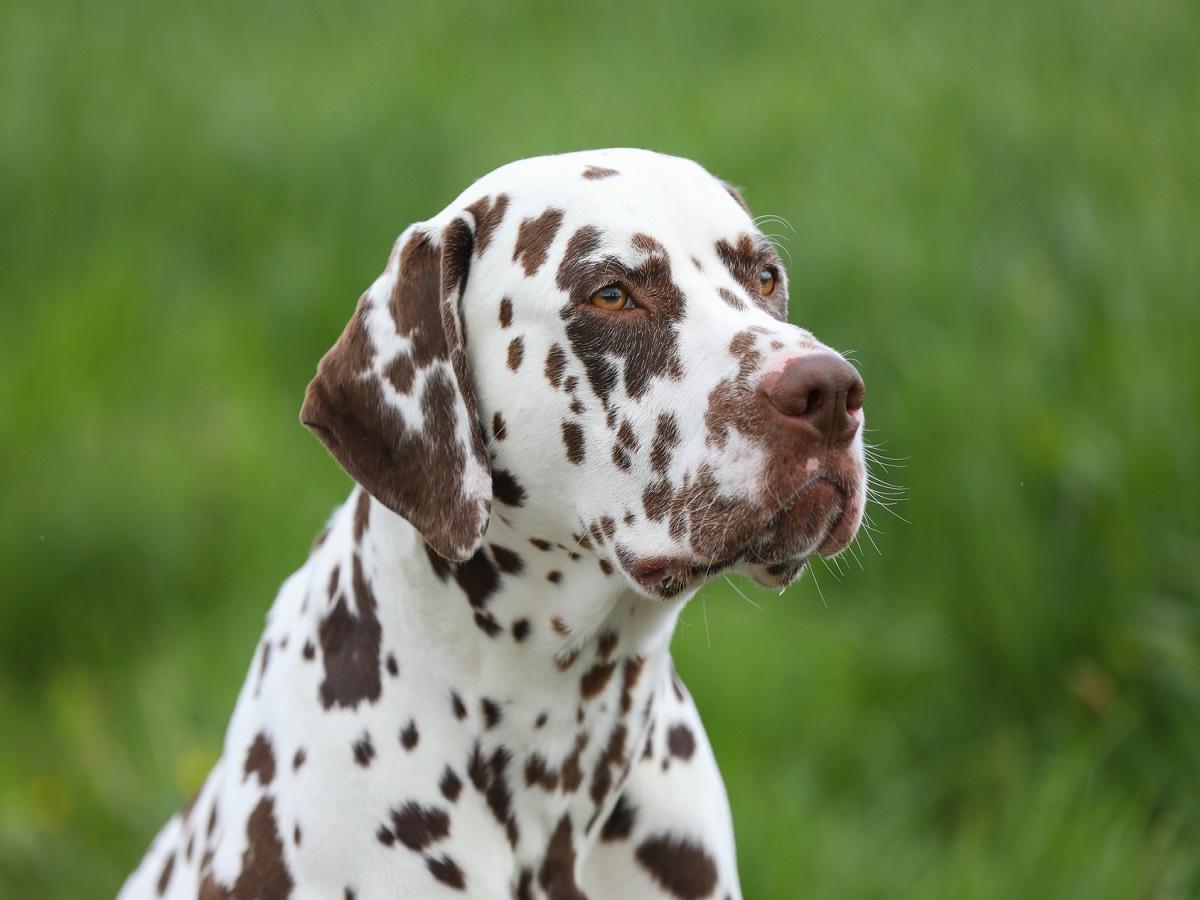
(571, 398)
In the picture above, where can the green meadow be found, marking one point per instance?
(995, 206)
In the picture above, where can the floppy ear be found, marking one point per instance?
(393, 402)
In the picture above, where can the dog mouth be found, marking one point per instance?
(666, 576)
(820, 518)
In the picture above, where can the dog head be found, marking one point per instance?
(595, 346)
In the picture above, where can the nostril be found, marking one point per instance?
(812, 403)
(856, 396)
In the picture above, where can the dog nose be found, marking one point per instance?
(819, 391)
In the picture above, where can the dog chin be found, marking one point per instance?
(821, 520)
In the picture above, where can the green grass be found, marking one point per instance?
(995, 206)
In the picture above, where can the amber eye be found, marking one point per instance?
(612, 297)
(766, 282)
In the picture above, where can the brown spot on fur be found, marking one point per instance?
(565, 660)
(520, 629)
(490, 778)
(612, 758)
(508, 561)
(264, 872)
(630, 673)
(523, 890)
(409, 735)
(505, 312)
(666, 439)
(656, 500)
(491, 712)
(450, 785)
(164, 878)
(541, 544)
(417, 826)
(446, 870)
(595, 173)
(364, 750)
(680, 742)
(537, 773)
(488, 215)
(516, 352)
(499, 429)
(350, 648)
(534, 239)
(264, 659)
(554, 576)
(682, 868)
(626, 435)
(572, 436)
(620, 822)
(606, 643)
(620, 458)
(260, 760)
(478, 578)
(730, 298)
(460, 710)
(362, 515)
(595, 679)
(487, 623)
(556, 363)
(507, 489)
(393, 667)
(572, 774)
(557, 874)
(298, 759)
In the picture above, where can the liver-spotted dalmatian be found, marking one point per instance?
(571, 398)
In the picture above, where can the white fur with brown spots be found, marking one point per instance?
(467, 689)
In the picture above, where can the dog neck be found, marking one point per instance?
(546, 658)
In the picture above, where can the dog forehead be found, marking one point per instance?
(619, 191)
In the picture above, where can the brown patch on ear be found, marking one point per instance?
(421, 471)
(595, 173)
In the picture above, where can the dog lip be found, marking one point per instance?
(653, 571)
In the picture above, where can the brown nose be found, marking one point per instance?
(820, 391)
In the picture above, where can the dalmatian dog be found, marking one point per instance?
(571, 398)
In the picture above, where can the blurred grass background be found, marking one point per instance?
(997, 206)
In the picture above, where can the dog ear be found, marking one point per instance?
(393, 401)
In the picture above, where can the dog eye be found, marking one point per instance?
(612, 297)
(766, 282)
